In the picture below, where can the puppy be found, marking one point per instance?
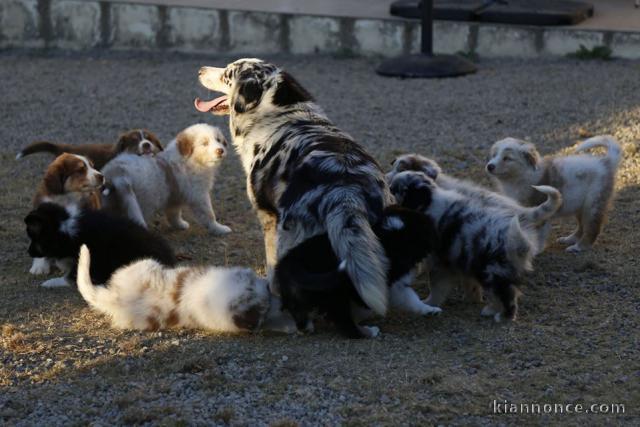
(136, 141)
(181, 175)
(485, 243)
(148, 296)
(69, 179)
(305, 176)
(312, 278)
(586, 182)
(57, 232)
(479, 194)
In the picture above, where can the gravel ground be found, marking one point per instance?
(576, 340)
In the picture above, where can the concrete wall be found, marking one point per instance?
(82, 25)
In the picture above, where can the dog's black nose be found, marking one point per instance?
(220, 152)
(491, 167)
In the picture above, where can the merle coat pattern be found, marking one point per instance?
(304, 175)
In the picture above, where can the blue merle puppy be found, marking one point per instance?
(304, 175)
(485, 243)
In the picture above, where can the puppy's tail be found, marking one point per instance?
(362, 256)
(614, 150)
(519, 248)
(44, 147)
(95, 296)
(538, 214)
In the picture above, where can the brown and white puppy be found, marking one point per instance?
(136, 141)
(147, 295)
(181, 175)
(69, 180)
(586, 182)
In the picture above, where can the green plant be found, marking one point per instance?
(597, 52)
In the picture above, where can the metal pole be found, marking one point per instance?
(427, 27)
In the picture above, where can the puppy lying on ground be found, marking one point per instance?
(137, 141)
(586, 182)
(312, 278)
(181, 175)
(479, 194)
(57, 232)
(147, 296)
(485, 243)
(69, 179)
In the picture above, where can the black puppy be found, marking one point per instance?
(57, 232)
(312, 278)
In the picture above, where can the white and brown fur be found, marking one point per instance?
(70, 179)
(304, 175)
(586, 182)
(180, 176)
(147, 296)
(136, 141)
(485, 243)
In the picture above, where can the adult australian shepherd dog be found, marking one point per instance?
(304, 175)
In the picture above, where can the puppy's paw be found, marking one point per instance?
(432, 302)
(180, 224)
(370, 331)
(57, 282)
(428, 310)
(499, 318)
(488, 311)
(577, 248)
(40, 266)
(567, 240)
(219, 229)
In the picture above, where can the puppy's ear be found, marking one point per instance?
(248, 95)
(153, 138)
(185, 145)
(531, 155)
(417, 196)
(124, 142)
(35, 224)
(54, 179)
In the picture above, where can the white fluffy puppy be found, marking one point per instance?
(181, 175)
(148, 296)
(586, 182)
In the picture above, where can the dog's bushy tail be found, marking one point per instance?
(538, 214)
(360, 253)
(44, 147)
(96, 296)
(519, 248)
(614, 150)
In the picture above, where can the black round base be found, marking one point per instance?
(426, 66)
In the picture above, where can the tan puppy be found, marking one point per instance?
(180, 176)
(586, 182)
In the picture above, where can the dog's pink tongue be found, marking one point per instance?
(206, 106)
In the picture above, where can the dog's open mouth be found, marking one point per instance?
(218, 106)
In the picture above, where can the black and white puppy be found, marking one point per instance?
(304, 175)
(312, 278)
(57, 232)
(485, 243)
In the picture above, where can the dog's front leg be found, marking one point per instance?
(269, 224)
(203, 211)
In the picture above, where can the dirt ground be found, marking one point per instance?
(577, 339)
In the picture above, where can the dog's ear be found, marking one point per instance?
(35, 224)
(185, 145)
(124, 142)
(248, 95)
(54, 178)
(531, 155)
(289, 91)
(417, 196)
(153, 138)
